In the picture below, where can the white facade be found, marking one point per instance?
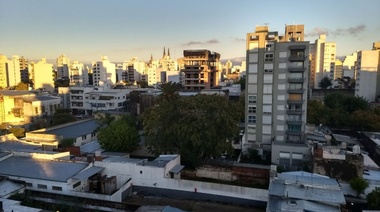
(349, 65)
(103, 72)
(325, 55)
(63, 67)
(368, 77)
(14, 74)
(42, 75)
(3, 71)
(89, 99)
(78, 74)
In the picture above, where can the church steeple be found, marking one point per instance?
(164, 53)
(168, 52)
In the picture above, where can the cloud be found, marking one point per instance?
(354, 31)
(238, 39)
(191, 43)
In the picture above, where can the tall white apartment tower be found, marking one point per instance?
(14, 74)
(42, 75)
(325, 56)
(78, 74)
(63, 67)
(276, 93)
(368, 73)
(103, 72)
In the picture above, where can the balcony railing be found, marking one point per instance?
(296, 90)
(300, 79)
(294, 111)
(293, 132)
(297, 58)
(295, 101)
(296, 69)
(294, 122)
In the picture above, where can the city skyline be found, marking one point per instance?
(86, 30)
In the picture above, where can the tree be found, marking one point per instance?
(120, 135)
(21, 86)
(17, 131)
(142, 83)
(196, 127)
(325, 83)
(67, 142)
(62, 116)
(170, 91)
(359, 185)
(373, 199)
(315, 112)
(241, 82)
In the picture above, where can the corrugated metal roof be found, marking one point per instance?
(176, 169)
(85, 174)
(299, 205)
(40, 169)
(7, 187)
(343, 138)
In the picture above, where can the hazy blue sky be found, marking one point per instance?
(85, 30)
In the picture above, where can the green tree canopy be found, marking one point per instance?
(359, 185)
(142, 83)
(170, 91)
(195, 127)
(120, 135)
(325, 82)
(241, 81)
(67, 142)
(373, 199)
(62, 116)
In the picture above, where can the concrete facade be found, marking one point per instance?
(368, 77)
(276, 92)
(200, 69)
(42, 75)
(103, 72)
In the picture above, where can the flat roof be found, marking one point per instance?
(40, 98)
(90, 147)
(85, 174)
(13, 205)
(17, 145)
(74, 130)
(14, 93)
(122, 160)
(40, 169)
(299, 205)
(176, 169)
(343, 138)
(161, 161)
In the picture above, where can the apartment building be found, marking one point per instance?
(14, 74)
(103, 72)
(24, 69)
(323, 55)
(368, 76)
(89, 99)
(42, 75)
(63, 67)
(3, 71)
(276, 93)
(201, 69)
(78, 74)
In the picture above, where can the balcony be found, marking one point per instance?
(294, 122)
(296, 90)
(299, 47)
(295, 101)
(293, 132)
(294, 111)
(295, 80)
(297, 58)
(296, 69)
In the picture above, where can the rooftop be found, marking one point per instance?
(40, 169)
(17, 145)
(75, 130)
(161, 161)
(40, 98)
(15, 93)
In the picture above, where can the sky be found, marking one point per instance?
(84, 30)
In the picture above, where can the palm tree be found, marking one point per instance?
(170, 91)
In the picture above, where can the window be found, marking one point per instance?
(282, 65)
(267, 109)
(252, 68)
(282, 54)
(56, 188)
(251, 119)
(251, 129)
(76, 184)
(267, 119)
(268, 70)
(295, 86)
(281, 86)
(294, 128)
(268, 78)
(280, 117)
(253, 58)
(295, 97)
(29, 184)
(41, 186)
(252, 109)
(267, 99)
(281, 97)
(267, 89)
(269, 47)
(282, 76)
(268, 57)
(251, 99)
(140, 172)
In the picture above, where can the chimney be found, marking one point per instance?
(98, 156)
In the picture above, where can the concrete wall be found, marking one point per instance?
(218, 173)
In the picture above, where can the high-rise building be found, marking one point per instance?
(78, 74)
(324, 55)
(200, 69)
(3, 71)
(63, 64)
(24, 69)
(42, 75)
(276, 93)
(103, 72)
(14, 74)
(349, 65)
(368, 74)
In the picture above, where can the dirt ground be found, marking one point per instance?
(190, 205)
